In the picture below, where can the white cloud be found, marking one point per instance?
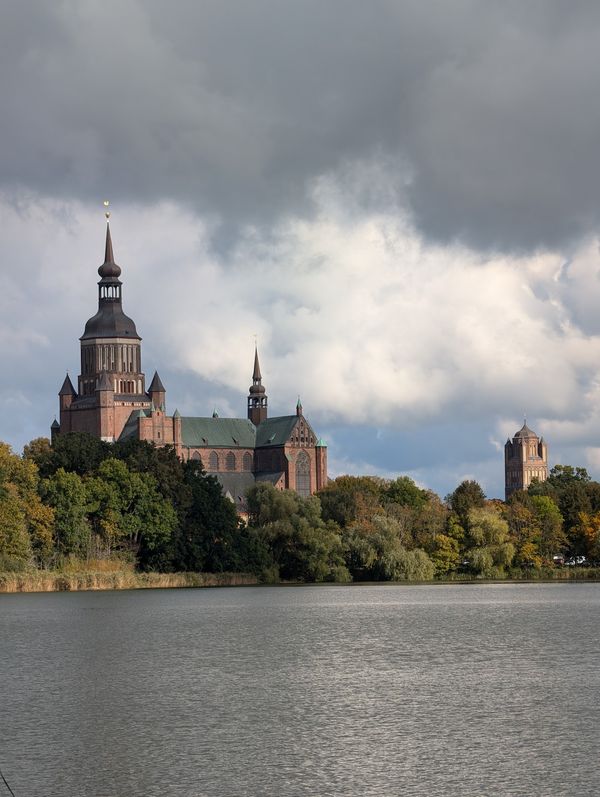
(369, 323)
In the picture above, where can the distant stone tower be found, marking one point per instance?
(525, 459)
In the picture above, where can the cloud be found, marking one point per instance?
(399, 199)
(433, 351)
(485, 118)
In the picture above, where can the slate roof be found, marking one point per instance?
(525, 432)
(275, 431)
(67, 388)
(234, 485)
(272, 478)
(110, 322)
(218, 432)
(156, 386)
(131, 426)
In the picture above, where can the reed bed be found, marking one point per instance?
(52, 581)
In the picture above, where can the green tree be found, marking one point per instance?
(302, 545)
(207, 537)
(78, 452)
(404, 491)
(467, 496)
(66, 493)
(374, 551)
(491, 550)
(348, 499)
(39, 451)
(552, 539)
(15, 544)
(19, 482)
(128, 511)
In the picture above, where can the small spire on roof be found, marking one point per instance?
(156, 386)
(215, 413)
(67, 388)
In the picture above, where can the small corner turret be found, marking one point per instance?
(157, 393)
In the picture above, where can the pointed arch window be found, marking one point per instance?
(303, 474)
(230, 461)
(213, 461)
(247, 461)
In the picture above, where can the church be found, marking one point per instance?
(112, 402)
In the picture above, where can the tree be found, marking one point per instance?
(467, 496)
(566, 474)
(405, 492)
(15, 544)
(66, 493)
(375, 552)
(302, 545)
(348, 499)
(491, 549)
(79, 452)
(207, 536)
(552, 539)
(39, 451)
(19, 481)
(129, 514)
(162, 463)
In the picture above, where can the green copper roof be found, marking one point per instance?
(275, 431)
(218, 432)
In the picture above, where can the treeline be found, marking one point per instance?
(84, 501)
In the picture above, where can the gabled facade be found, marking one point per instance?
(112, 403)
(525, 459)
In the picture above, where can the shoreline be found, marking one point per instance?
(52, 581)
(90, 581)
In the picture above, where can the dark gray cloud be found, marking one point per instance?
(489, 110)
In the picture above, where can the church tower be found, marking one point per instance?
(111, 384)
(525, 459)
(257, 398)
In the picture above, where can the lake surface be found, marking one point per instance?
(359, 691)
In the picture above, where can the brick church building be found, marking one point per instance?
(112, 402)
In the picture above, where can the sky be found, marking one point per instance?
(399, 199)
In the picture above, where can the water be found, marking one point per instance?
(358, 691)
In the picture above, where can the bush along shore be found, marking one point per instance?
(84, 514)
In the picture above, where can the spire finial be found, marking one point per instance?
(109, 269)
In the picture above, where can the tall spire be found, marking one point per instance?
(257, 399)
(256, 376)
(109, 270)
(110, 321)
(108, 250)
